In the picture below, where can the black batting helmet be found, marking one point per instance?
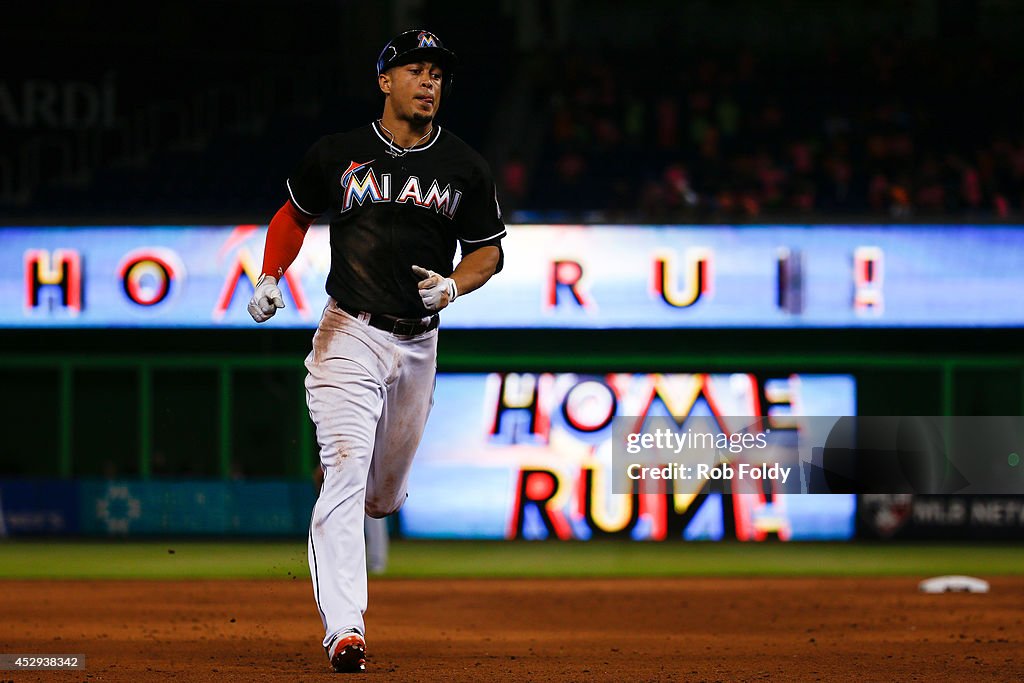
(415, 45)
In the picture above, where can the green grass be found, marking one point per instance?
(413, 559)
(701, 559)
(151, 560)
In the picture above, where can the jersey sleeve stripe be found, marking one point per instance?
(500, 234)
(288, 184)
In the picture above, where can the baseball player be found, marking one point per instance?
(400, 194)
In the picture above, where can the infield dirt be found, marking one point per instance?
(589, 630)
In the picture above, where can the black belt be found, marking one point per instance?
(389, 323)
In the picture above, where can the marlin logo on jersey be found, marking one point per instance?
(356, 191)
(427, 39)
(352, 168)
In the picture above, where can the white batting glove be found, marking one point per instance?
(266, 299)
(436, 290)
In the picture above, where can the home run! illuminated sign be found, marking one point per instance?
(529, 456)
(555, 277)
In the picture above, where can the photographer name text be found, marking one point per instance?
(708, 472)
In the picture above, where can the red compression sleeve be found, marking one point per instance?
(284, 238)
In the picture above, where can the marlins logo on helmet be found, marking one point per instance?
(416, 45)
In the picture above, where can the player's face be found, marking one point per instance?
(414, 89)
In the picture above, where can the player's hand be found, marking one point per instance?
(436, 290)
(266, 299)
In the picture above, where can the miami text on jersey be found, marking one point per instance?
(356, 191)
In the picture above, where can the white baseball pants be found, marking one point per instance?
(369, 393)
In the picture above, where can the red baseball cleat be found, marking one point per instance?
(349, 656)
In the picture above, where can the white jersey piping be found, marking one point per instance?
(484, 239)
(288, 184)
(403, 150)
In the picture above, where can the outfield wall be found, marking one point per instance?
(129, 364)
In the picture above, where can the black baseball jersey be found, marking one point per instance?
(388, 213)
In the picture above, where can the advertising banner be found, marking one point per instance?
(940, 518)
(154, 508)
(38, 507)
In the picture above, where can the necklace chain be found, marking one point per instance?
(395, 149)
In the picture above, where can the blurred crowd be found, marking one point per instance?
(891, 129)
(668, 112)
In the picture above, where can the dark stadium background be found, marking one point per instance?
(705, 112)
(156, 483)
